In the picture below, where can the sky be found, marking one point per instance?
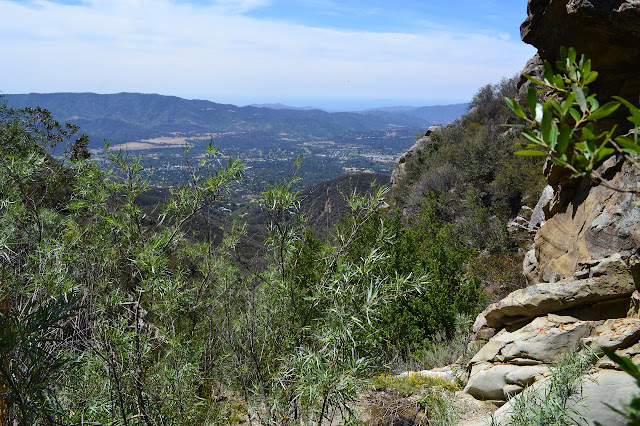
(333, 54)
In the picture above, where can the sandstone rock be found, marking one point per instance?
(479, 323)
(399, 171)
(528, 375)
(540, 299)
(535, 68)
(632, 352)
(487, 380)
(510, 391)
(432, 129)
(634, 305)
(499, 381)
(510, 357)
(614, 333)
(490, 350)
(543, 340)
(602, 388)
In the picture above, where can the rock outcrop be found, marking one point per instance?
(606, 31)
(584, 267)
(600, 390)
(587, 223)
(399, 171)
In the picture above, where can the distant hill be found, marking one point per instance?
(325, 203)
(127, 117)
(283, 106)
(437, 114)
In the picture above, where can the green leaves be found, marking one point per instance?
(580, 98)
(635, 112)
(566, 125)
(531, 153)
(532, 99)
(33, 357)
(546, 124)
(515, 107)
(564, 139)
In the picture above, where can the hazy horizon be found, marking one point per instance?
(347, 55)
(330, 105)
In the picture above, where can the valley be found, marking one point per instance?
(268, 139)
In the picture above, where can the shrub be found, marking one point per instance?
(553, 403)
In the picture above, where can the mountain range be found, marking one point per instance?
(129, 117)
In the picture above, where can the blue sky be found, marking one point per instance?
(333, 54)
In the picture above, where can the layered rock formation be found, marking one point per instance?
(584, 268)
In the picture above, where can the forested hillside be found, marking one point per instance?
(161, 314)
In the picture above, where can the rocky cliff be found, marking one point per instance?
(584, 267)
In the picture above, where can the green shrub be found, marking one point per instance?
(470, 168)
(553, 403)
(414, 398)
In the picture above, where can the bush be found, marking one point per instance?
(412, 398)
(553, 403)
(469, 166)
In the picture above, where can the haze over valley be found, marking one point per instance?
(268, 138)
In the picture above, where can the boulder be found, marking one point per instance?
(510, 391)
(611, 278)
(543, 340)
(487, 381)
(528, 375)
(522, 356)
(601, 390)
(614, 333)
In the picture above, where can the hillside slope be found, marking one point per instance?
(326, 203)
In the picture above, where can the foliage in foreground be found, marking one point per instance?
(117, 316)
(555, 401)
(570, 125)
